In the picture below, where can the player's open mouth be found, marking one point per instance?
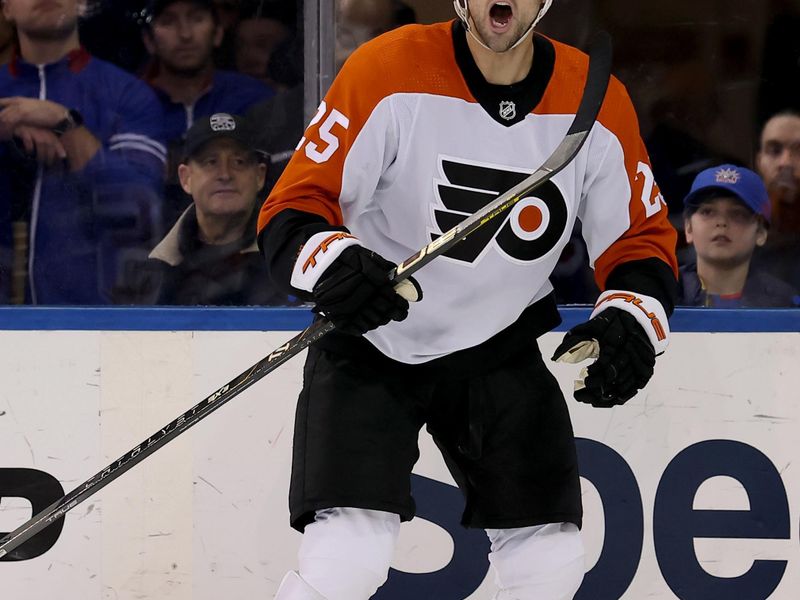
(500, 15)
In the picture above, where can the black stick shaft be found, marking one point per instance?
(593, 95)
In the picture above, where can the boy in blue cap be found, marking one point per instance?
(726, 216)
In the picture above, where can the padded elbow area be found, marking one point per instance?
(544, 562)
(346, 552)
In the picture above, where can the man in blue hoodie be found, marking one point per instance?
(81, 162)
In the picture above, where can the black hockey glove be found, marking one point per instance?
(625, 357)
(356, 294)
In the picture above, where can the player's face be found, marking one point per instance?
(724, 232)
(779, 155)
(501, 23)
(223, 178)
(183, 37)
(43, 19)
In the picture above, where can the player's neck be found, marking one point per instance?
(39, 51)
(722, 279)
(503, 68)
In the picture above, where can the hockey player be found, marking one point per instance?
(422, 126)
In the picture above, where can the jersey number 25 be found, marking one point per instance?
(326, 134)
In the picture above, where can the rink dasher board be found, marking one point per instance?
(206, 516)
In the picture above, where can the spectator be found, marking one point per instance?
(181, 36)
(403, 13)
(228, 15)
(778, 162)
(6, 40)
(285, 66)
(726, 217)
(263, 27)
(80, 161)
(210, 256)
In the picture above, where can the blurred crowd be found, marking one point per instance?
(138, 139)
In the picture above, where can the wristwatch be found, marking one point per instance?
(71, 120)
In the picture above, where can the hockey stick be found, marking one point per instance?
(588, 109)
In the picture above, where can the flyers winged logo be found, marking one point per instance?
(530, 231)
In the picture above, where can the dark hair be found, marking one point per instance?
(156, 7)
(705, 196)
(403, 14)
(787, 112)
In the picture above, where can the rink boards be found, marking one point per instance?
(690, 490)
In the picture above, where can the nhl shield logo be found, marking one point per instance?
(508, 110)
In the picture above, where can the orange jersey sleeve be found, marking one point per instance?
(650, 233)
(647, 232)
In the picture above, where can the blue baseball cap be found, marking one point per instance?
(739, 182)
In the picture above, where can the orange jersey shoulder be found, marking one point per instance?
(412, 59)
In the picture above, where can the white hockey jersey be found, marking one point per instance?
(410, 140)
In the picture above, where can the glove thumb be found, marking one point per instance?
(409, 289)
(576, 353)
(579, 344)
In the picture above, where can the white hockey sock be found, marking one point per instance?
(544, 562)
(346, 552)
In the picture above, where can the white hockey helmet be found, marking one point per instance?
(462, 10)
